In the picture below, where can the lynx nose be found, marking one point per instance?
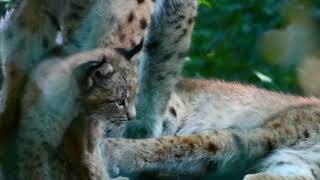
(131, 114)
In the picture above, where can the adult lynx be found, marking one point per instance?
(211, 129)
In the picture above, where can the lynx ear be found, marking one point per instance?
(130, 52)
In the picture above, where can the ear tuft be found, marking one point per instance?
(130, 52)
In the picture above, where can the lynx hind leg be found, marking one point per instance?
(166, 45)
(287, 165)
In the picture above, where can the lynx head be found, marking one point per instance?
(112, 85)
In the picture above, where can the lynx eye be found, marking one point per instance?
(121, 103)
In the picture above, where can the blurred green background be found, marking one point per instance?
(228, 41)
(259, 42)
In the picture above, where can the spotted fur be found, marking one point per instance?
(221, 130)
(166, 44)
(211, 129)
(226, 138)
(39, 30)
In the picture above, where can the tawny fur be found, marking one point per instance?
(30, 36)
(220, 129)
(212, 129)
(51, 103)
(223, 129)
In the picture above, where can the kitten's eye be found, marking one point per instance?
(121, 103)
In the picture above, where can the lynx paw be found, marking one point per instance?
(113, 155)
(122, 157)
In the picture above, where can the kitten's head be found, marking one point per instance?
(112, 86)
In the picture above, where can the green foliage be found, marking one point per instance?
(226, 43)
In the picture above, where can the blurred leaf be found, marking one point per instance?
(263, 77)
(205, 2)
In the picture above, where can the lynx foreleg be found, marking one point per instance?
(189, 155)
(166, 45)
(217, 153)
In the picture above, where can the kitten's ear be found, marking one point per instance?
(84, 69)
(130, 52)
(99, 73)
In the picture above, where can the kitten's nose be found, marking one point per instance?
(131, 114)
